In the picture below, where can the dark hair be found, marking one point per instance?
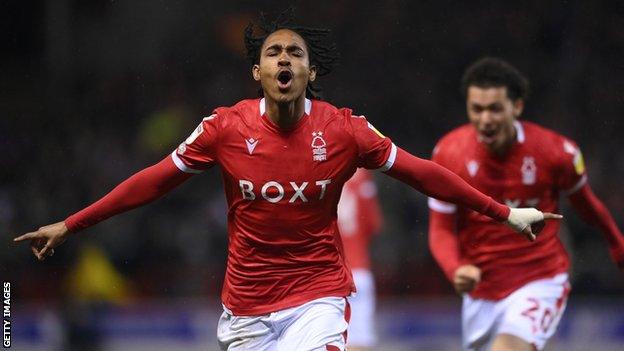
(491, 72)
(322, 54)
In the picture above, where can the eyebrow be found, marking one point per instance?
(289, 47)
(476, 104)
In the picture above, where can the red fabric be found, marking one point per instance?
(282, 188)
(347, 318)
(443, 242)
(436, 181)
(594, 212)
(359, 218)
(141, 188)
(533, 173)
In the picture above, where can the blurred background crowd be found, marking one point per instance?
(92, 91)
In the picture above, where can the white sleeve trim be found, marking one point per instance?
(441, 206)
(576, 186)
(390, 162)
(178, 162)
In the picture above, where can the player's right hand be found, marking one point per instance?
(529, 221)
(44, 240)
(466, 278)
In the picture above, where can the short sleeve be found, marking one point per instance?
(572, 174)
(375, 151)
(199, 151)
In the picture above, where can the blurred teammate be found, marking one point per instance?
(359, 218)
(284, 159)
(514, 293)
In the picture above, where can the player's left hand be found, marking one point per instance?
(529, 221)
(45, 239)
(466, 278)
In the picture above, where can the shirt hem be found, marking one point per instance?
(507, 292)
(300, 300)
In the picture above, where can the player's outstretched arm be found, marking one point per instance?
(438, 182)
(141, 188)
(594, 212)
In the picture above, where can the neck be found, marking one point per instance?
(285, 114)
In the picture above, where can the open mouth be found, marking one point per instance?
(488, 136)
(284, 79)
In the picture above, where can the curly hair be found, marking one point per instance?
(322, 53)
(494, 72)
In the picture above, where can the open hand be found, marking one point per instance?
(44, 240)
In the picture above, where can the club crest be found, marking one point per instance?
(319, 147)
(529, 170)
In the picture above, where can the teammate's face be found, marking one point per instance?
(284, 70)
(493, 113)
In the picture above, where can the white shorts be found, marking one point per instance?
(362, 326)
(531, 313)
(318, 325)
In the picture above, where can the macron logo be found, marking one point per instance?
(251, 144)
(473, 167)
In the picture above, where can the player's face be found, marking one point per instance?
(284, 69)
(493, 113)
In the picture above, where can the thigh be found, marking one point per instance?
(533, 312)
(506, 342)
(236, 333)
(317, 325)
(479, 320)
(361, 330)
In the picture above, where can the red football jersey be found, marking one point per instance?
(282, 188)
(359, 217)
(537, 169)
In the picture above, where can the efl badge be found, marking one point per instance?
(319, 150)
(579, 164)
(529, 170)
(375, 130)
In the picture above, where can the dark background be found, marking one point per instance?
(93, 91)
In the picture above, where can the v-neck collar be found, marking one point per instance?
(274, 127)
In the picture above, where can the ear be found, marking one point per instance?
(312, 73)
(255, 72)
(518, 106)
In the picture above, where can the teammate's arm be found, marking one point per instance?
(141, 188)
(438, 182)
(594, 212)
(444, 246)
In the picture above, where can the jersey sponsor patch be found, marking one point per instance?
(568, 147)
(195, 134)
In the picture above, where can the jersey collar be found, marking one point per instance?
(272, 126)
(307, 107)
(519, 132)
